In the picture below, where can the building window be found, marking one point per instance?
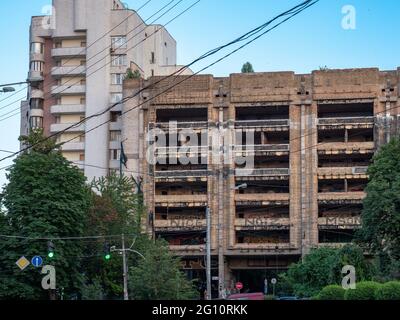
(58, 44)
(37, 66)
(83, 44)
(117, 78)
(82, 157)
(36, 103)
(58, 119)
(115, 136)
(83, 62)
(36, 122)
(83, 82)
(153, 58)
(118, 42)
(152, 72)
(115, 154)
(83, 100)
(116, 97)
(115, 116)
(81, 138)
(118, 60)
(37, 47)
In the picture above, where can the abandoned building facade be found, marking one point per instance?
(311, 138)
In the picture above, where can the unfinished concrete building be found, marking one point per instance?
(313, 137)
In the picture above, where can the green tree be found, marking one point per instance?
(132, 74)
(158, 275)
(117, 208)
(309, 276)
(323, 267)
(46, 197)
(380, 232)
(247, 68)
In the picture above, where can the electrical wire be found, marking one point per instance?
(84, 50)
(308, 4)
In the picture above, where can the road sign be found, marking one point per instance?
(273, 281)
(239, 286)
(22, 263)
(37, 261)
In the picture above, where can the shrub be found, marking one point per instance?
(332, 292)
(364, 291)
(269, 297)
(388, 291)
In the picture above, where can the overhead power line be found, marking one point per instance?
(291, 13)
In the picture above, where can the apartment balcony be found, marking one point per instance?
(36, 57)
(263, 125)
(345, 123)
(114, 164)
(262, 224)
(266, 173)
(184, 151)
(262, 150)
(73, 146)
(346, 147)
(180, 201)
(335, 173)
(36, 94)
(68, 52)
(68, 90)
(182, 173)
(188, 250)
(36, 112)
(333, 222)
(35, 76)
(168, 126)
(278, 248)
(262, 199)
(341, 198)
(68, 71)
(116, 126)
(67, 109)
(57, 127)
(180, 225)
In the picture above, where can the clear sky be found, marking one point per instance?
(313, 39)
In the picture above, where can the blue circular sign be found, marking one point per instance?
(37, 261)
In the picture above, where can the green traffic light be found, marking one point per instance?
(107, 256)
(51, 254)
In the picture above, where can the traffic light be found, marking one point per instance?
(50, 249)
(107, 251)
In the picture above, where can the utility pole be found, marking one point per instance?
(208, 252)
(126, 295)
(221, 262)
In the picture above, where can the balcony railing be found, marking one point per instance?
(337, 171)
(68, 109)
(262, 148)
(70, 71)
(68, 89)
(181, 150)
(346, 120)
(57, 127)
(179, 125)
(261, 123)
(181, 174)
(346, 146)
(66, 52)
(263, 172)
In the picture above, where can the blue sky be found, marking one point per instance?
(313, 39)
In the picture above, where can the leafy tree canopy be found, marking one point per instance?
(380, 232)
(46, 197)
(247, 68)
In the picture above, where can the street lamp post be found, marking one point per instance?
(7, 89)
